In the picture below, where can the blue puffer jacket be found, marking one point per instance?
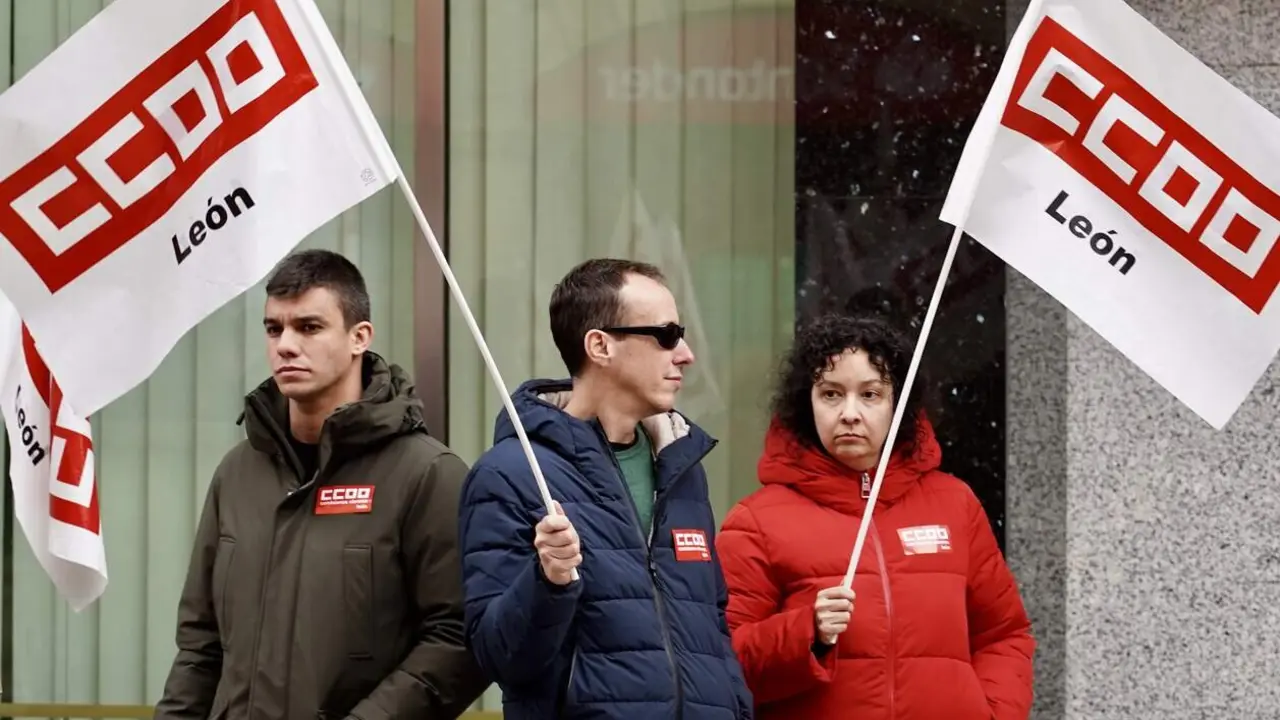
(642, 634)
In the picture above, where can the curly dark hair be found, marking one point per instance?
(816, 344)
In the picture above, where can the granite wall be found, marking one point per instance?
(1145, 542)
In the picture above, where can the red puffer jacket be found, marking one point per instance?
(938, 629)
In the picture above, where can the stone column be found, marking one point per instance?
(1146, 542)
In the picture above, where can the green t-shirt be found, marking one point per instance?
(636, 462)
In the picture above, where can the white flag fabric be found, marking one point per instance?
(55, 493)
(1137, 187)
(159, 163)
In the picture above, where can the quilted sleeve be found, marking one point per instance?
(516, 620)
(999, 631)
(775, 648)
(746, 703)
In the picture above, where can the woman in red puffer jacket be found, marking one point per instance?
(934, 628)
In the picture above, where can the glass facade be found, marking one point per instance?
(653, 130)
(772, 160)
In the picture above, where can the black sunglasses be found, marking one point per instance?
(668, 336)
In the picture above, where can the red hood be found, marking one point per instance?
(817, 476)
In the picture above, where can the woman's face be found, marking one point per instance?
(852, 410)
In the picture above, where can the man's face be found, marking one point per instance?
(308, 344)
(638, 364)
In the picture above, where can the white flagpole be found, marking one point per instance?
(901, 395)
(986, 119)
(364, 118)
(479, 338)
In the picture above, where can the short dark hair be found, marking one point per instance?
(587, 299)
(816, 344)
(309, 269)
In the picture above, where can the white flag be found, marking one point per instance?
(1137, 187)
(55, 493)
(159, 163)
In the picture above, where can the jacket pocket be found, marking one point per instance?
(357, 599)
(568, 698)
(221, 574)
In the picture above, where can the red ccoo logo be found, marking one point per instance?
(1153, 164)
(925, 539)
(128, 162)
(344, 499)
(73, 497)
(690, 545)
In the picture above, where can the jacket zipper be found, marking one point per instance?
(652, 567)
(262, 598)
(271, 546)
(888, 609)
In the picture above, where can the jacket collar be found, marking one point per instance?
(388, 408)
(810, 471)
(678, 444)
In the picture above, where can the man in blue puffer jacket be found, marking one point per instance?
(641, 633)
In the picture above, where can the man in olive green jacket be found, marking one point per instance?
(325, 580)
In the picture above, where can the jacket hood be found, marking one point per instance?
(677, 443)
(389, 408)
(816, 475)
